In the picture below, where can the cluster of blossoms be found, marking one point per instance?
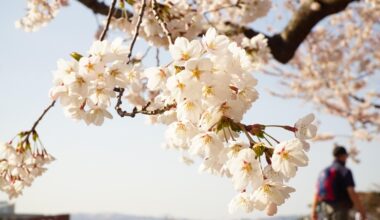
(180, 19)
(20, 166)
(183, 19)
(206, 79)
(237, 11)
(257, 48)
(86, 85)
(40, 13)
(209, 86)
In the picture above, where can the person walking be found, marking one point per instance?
(335, 195)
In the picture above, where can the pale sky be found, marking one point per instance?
(121, 167)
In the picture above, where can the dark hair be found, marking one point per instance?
(339, 150)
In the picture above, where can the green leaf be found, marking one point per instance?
(76, 56)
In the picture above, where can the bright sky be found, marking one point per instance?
(121, 166)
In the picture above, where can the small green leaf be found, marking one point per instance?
(76, 56)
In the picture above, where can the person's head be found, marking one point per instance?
(340, 153)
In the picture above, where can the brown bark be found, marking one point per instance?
(283, 45)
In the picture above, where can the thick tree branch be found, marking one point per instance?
(283, 45)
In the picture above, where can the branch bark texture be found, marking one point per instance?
(283, 45)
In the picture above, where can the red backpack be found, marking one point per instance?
(326, 185)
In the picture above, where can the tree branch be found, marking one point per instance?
(362, 100)
(136, 111)
(102, 8)
(109, 17)
(283, 45)
(137, 28)
(33, 129)
(161, 22)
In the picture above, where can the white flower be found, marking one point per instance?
(213, 42)
(90, 67)
(156, 78)
(205, 145)
(304, 127)
(182, 88)
(96, 116)
(199, 69)
(215, 93)
(258, 49)
(99, 49)
(189, 110)
(270, 192)
(183, 50)
(19, 168)
(241, 201)
(210, 117)
(214, 165)
(116, 74)
(239, 62)
(75, 112)
(179, 134)
(289, 155)
(100, 97)
(117, 51)
(39, 14)
(269, 173)
(234, 147)
(245, 169)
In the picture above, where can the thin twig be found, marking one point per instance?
(146, 53)
(136, 31)
(109, 17)
(161, 22)
(271, 137)
(157, 56)
(362, 100)
(118, 108)
(242, 127)
(33, 129)
(270, 144)
(136, 111)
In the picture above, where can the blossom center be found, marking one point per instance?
(247, 167)
(284, 154)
